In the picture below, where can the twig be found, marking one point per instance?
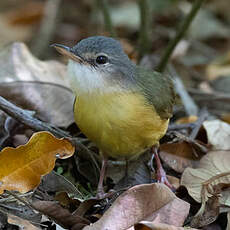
(144, 39)
(190, 106)
(47, 28)
(107, 19)
(10, 199)
(19, 198)
(203, 116)
(27, 119)
(180, 33)
(194, 143)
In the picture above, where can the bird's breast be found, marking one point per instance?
(122, 124)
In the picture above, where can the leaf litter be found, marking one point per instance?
(28, 82)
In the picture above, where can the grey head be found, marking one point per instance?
(90, 48)
(105, 54)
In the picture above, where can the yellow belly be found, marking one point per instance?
(120, 124)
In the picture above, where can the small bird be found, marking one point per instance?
(121, 107)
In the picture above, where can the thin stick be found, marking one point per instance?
(190, 106)
(203, 116)
(180, 33)
(107, 19)
(27, 119)
(144, 39)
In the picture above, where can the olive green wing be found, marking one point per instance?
(158, 89)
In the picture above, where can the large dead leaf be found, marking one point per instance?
(143, 202)
(209, 184)
(52, 103)
(218, 133)
(22, 167)
(20, 65)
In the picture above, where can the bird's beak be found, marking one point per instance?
(67, 52)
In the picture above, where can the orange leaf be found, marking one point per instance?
(22, 167)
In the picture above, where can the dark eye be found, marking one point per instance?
(101, 59)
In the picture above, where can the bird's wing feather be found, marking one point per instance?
(158, 89)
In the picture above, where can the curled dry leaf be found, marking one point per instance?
(143, 202)
(20, 65)
(218, 133)
(52, 103)
(22, 167)
(209, 184)
(211, 171)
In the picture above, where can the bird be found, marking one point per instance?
(122, 107)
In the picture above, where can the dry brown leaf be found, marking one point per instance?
(22, 167)
(21, 223)
(178, 155)
(59, 214)
(218, 133)
(209, 184)
(52, 103)
(20, 65)
(146, 225)
(141, 202)
(65, 201)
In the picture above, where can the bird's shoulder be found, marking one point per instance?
(158, 90)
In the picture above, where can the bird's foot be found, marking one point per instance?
(160, 174)
(100, 194)
(103, 195)
(162, 178)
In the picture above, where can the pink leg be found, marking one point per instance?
(100, 189)
(161, 175)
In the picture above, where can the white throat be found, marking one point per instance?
(84, 78)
